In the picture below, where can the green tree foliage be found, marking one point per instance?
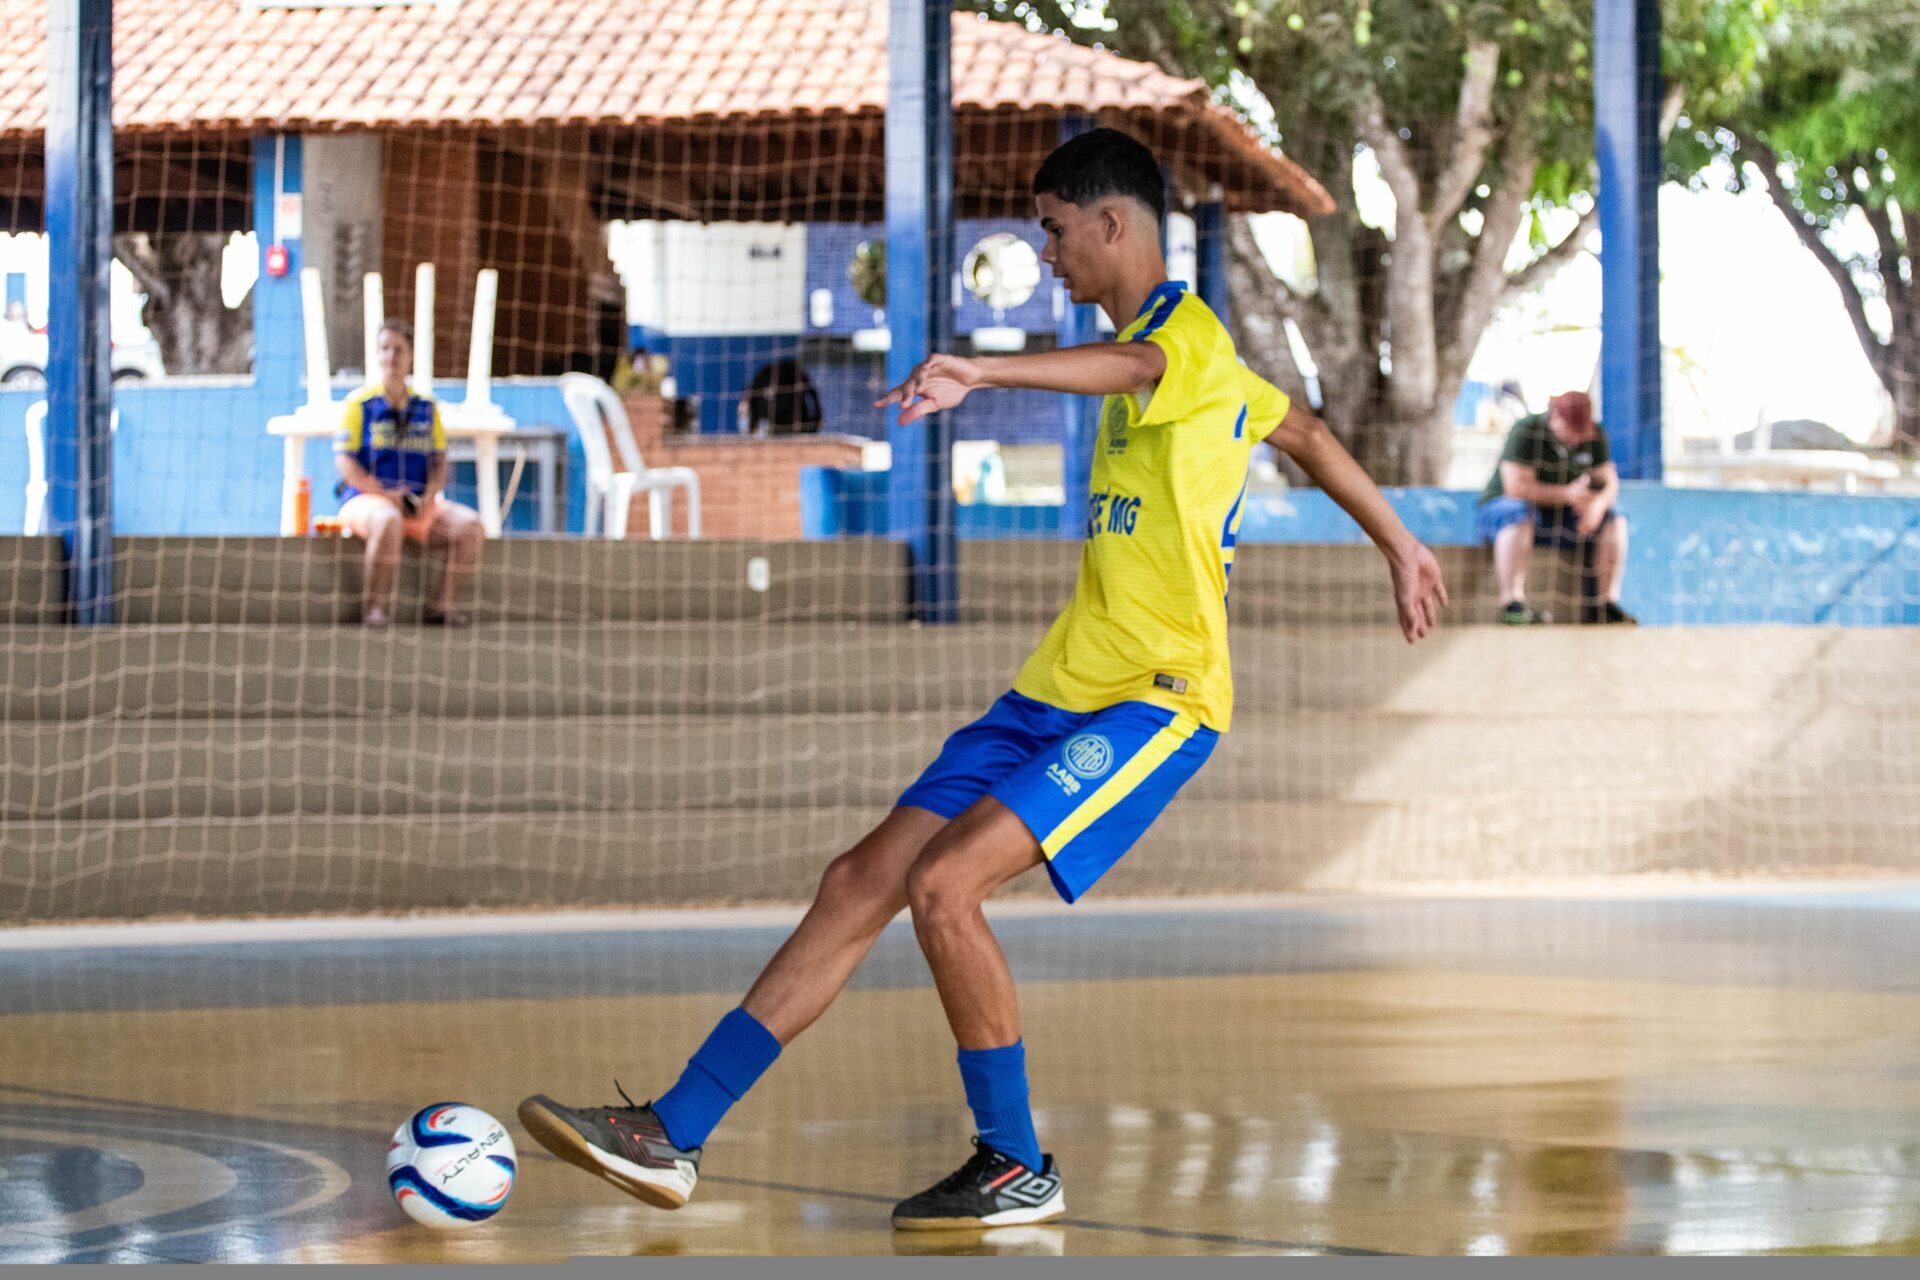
(1479, 114)
(1826, 120)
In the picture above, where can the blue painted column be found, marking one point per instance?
(1079, 415)
(279, 347)
(1627, 90)
(1210, 236)
(920, 290)
(79, 144)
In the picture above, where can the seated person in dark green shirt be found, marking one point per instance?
(1556, 484)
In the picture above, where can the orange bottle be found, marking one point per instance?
(303, 508)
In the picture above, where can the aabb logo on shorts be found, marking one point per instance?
(1087, 755)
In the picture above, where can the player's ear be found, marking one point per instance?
(1113, 221)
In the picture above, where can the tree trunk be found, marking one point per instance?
(1901, 376)
(180, 274)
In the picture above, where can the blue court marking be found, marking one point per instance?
(1864, 941)
(46, 1178)
(235, 1226)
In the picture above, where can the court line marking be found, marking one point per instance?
(335, 1181)
(172, 1179)
(62, 936)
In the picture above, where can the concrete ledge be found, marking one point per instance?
(1332, 585)
(33, 580)
(522, 670)
(170, 769)
(170, 581)
(308, 581)
(81, 870)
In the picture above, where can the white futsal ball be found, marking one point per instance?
(451, 1165)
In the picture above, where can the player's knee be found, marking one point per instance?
(855, 878)
(936, 895)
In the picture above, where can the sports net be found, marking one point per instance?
(643, 248)
(690, 209)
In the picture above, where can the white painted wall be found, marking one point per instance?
(712, 280)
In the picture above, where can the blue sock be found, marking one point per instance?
(996, 1083)
(734, 1056)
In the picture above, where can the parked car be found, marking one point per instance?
(23, 358)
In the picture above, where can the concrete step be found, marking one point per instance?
(33, 580)
(520, 670)
(118, 770)
(212, 866)
(293, 581)
(1273, 585)
(174, 581)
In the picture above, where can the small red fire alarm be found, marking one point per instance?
(276, 260)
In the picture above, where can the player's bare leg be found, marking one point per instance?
(376, 521)
(955, 874)
(860, 891)
(1610, 557)
(458, 535)
(1610, 567)
(653, 1151)
(1512, 554)
(1008, 1180)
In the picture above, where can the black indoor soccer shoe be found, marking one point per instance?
(989, 1190)
(627, 1146)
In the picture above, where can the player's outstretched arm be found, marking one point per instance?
(1418, 588)
(1096, 369)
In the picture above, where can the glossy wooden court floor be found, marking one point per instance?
(1702, 1073)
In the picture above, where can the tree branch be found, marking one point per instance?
(1395, 165)
(1473, 135)
(1310, 311)
(1768, 162)
(1548, 264)
(1487, 276)
(132, 250)
(1899, 294)
(1262, 305)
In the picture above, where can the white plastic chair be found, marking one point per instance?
(36, 521)
(595, 409)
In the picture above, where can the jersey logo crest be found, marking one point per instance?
(1089, 755)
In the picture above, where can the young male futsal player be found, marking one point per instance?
(1121, 704)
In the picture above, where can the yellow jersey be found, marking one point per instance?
(1148, 619)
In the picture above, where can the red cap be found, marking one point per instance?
(1575, 409)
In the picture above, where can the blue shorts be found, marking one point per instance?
(1552, 526)
(1087, 784)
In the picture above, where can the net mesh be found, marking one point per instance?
(670, 719)
(643, 249)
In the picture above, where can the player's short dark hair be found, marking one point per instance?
(1099, 164)
(400, 327)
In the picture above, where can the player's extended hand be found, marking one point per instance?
(938, 382)
(1419, 591)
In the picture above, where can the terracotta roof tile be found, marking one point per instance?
(218, 64)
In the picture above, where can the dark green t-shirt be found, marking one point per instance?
(1532, 442)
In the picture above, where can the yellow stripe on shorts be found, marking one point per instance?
(1117, 788)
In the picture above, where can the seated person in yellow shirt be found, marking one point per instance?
(391, 452)
(1121, 704)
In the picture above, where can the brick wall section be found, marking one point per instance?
(749, 488)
